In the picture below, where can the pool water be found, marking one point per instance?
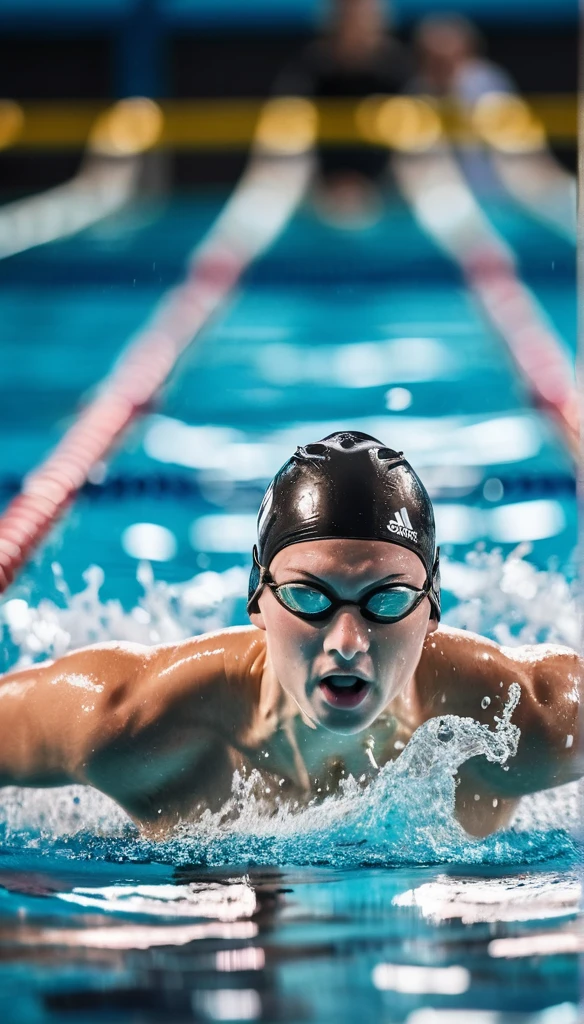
(152, 943)
(376, 906)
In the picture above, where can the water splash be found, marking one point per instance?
(404, 815)
(165, 613)
(444, 744)
(510, 600)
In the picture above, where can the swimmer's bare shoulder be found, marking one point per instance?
(150, 726)
(464, 674)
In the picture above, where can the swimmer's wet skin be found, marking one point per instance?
(344, 660)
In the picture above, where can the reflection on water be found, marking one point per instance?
(550, 894)
(309, 943)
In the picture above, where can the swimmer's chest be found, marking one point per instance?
(316, 761)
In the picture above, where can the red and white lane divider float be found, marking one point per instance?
(108, 178)
(538, 354)
(129, 389)
(449, 212)
(257, 211)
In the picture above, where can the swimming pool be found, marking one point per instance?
(368, 915)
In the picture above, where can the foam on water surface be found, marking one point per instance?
(405, 815)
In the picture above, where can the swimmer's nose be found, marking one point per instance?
(347, 635)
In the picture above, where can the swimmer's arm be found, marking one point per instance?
(123, 718)
(466, 669)
(548, 715)
(53, 713)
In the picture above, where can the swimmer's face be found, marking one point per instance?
(344, 671)
(358, 21)
(442, 47)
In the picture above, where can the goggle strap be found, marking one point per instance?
(256, 581)
(434, 594)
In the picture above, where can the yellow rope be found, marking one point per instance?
(505, 122)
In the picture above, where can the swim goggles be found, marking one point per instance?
(316, 603)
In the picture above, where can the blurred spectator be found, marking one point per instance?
(452, 66)
(356, 57)
(449, 49)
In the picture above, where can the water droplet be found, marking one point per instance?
(477, 796)
(485, 702)
(493, 489)
(445, 732)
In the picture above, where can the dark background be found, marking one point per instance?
(60, 58)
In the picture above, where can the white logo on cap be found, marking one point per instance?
(400, 524)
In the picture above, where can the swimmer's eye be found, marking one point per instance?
(393, 602)
(306, 600)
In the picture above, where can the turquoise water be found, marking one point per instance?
(375, 906)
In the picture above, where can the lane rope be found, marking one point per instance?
(448, 211)
(185, 486)
(108, 178)
(126, 392)
(253, 217)
(538, 354)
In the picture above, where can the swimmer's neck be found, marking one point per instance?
(276, 703)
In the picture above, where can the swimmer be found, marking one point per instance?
(344, 660)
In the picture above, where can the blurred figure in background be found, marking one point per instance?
(356, 57)
(452, 66)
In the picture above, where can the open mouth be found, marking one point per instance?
(344, 691)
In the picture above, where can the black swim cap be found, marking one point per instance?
(349, 485)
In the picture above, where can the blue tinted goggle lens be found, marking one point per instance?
(392, 603)
(304, 600)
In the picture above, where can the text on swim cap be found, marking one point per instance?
(401, 525)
